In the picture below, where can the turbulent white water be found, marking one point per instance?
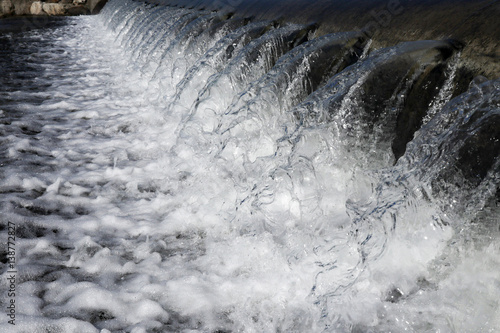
(170, 170)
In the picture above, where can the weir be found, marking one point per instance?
(179, 166)
(388, 22)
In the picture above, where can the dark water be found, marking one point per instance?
(175, 170)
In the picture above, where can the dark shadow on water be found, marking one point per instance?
(27, 23)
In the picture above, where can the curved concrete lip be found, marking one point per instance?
(473, 22)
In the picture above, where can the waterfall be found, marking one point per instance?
(195, 171)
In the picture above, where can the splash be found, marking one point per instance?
(170, 169)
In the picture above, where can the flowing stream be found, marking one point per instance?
(174, 170)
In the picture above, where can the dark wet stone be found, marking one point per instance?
(459, 149)
(463, 78)
(481, 149)
(96, 6)
(407, 82)
(289, 41)
(416, 106)
(252, 34)
(78, 10)
(334, 59)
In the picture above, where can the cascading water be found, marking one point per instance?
(174, 170)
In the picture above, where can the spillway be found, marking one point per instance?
(167, 169)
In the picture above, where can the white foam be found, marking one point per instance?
(165, 222)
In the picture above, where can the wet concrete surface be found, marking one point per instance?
(474, 23)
